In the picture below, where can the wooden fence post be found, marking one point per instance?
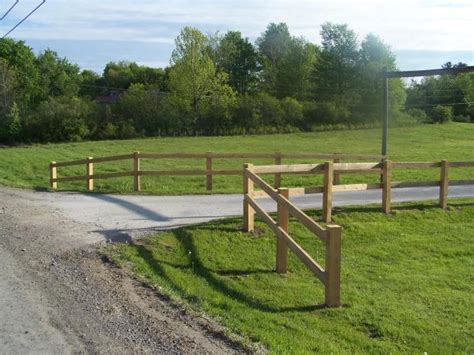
(444, 185)
(282, 248)
(333, 266)
(90, 174)
(249, 213)
(337, 175)
(327, 192)
(136, 172)
(387, 186)
(277, 182)
(53, 175)
(209, 171)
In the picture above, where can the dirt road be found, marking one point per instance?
(56, 298)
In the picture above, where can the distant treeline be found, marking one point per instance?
(220, 84)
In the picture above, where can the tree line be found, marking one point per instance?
(220, 84)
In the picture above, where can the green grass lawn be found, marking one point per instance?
(28, 166)
(407, 281)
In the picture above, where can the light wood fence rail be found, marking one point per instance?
(385, 169)
(330, 235)
(208, 171)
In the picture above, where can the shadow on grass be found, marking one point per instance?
(197, 267)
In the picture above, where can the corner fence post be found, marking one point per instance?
(327, 192)
(209, 171)
(53, 175)
(333, 266)
(282, 248)
(249, 213)
(387, 186)
(337, 175)
(277, 182)
(444, 185)
(90, 174)
(136, 172)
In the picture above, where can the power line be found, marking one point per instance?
(24, 19)
(9, 10)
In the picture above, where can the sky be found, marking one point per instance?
(422, 33)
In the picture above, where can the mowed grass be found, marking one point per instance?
(28, 166)
(407, 281)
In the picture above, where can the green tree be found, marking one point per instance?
(141, 106)
(335, 72)
(237, 57)
(8, 86)
(57, 76)
(375, 57)
(22, 60)
(193, 76)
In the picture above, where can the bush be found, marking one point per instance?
(418, 115)
(462, 118)
(270, 110)
(59, 119)
(442, 114)
(293, 112)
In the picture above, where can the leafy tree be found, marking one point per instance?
(8, 86)
(237, 57)
(123, 74)
(141, 106)
(57, 76)
(375, 57)
(193, 77)
(22, 60)
(335, 72)
(456, 91)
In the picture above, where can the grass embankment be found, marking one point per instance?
(407, 281)
(28, 166)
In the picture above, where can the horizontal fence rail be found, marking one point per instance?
(208, 171)
(331, 235)
(385, 169)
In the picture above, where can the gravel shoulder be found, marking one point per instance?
(58, 296)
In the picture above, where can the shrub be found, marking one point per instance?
(442, 114)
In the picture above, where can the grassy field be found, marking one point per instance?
(407, 281)
(28, 166)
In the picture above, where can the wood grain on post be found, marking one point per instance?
(387, 186)
(277, 182)
(444, 185)
(282, 247)
(209, 171)
(327, 193)
(53, 171)
(136, 172)
(333, 266)
(337, 176)
(90, 174)
(249, 213)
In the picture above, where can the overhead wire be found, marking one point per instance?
(24, 19)
(9, 10)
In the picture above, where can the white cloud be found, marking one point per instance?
(404, 24)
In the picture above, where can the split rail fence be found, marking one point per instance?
(330, 235)
(209, 172)
(384, 169)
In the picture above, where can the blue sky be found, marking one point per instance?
(423, 33)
